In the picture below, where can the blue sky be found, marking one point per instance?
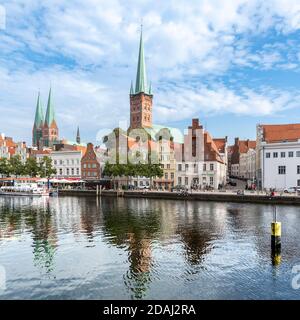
(232, 63)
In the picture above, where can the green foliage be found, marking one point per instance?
(17, 168)
(31, 167)
(46, 170)
(4, 167)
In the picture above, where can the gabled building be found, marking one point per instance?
(243, 159)
(201, 159)
(90, 164)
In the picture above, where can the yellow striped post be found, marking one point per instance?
(276, 235)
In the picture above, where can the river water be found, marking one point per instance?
(108, 248)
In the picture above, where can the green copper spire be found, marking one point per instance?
(131, 88)
(78, 136)
(50, 116)
(39, 114)
(141, 76)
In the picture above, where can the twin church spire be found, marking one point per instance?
(45, 130)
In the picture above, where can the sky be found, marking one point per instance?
(232, 64)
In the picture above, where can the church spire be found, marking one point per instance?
(141, 76)
(78, 136)
(131, 88)
(39, 114)
(50, 116)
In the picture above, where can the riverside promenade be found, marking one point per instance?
(216, 196)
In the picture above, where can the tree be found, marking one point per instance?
(31, 167)
(16, 166)
(46, 169)
(4, 167)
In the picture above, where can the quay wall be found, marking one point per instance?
(207, 196)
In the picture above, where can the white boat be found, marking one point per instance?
(29, 189)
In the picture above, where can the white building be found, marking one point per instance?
(66, 163)
(247, 165)
(201, 162)
(278, 156)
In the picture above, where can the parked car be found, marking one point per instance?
(290, 190)
(232, 183)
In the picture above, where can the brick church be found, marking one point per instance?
(45, 129)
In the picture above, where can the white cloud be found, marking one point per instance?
(88, 50)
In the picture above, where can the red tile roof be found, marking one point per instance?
(211, 152)
(281, 132)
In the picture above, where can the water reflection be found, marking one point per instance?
(149, 241)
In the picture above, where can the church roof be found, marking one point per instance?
(39, 114)
(50, 115)
(141, 84)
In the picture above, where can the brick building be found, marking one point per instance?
(90, 164)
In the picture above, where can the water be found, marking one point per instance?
(88, 248)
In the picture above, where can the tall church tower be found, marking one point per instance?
(141, 97)
(37, 130)
(50, 130)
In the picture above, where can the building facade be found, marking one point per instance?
(200, 162)
(278, 156)
(90, 164)
(66, 163)
(242, 159)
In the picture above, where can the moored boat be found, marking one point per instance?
(31, 190)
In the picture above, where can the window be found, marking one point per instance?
(211, 180)
(281, 170)
(67, 161)
(211, 167)
(298, 154)
(186, 181)
(60, 172)
(89, 165)
(186, 167)
(172, 176)
(179, 167)
(94, 165)
(68, 171)
(72, 171)
(179, 180)
(88, 173)
(204, 180)
(291, 154)
(268, 155)
(275, 154)
(72, 161)
(55, 162)
(84, 165)
(298, 183)
(77, 171)
(60, 162)
(166, 176)
(282, 154)
(298, 169)
(141, 183)
(168, 166)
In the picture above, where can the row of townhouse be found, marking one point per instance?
(10, 148)
(270, 162)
